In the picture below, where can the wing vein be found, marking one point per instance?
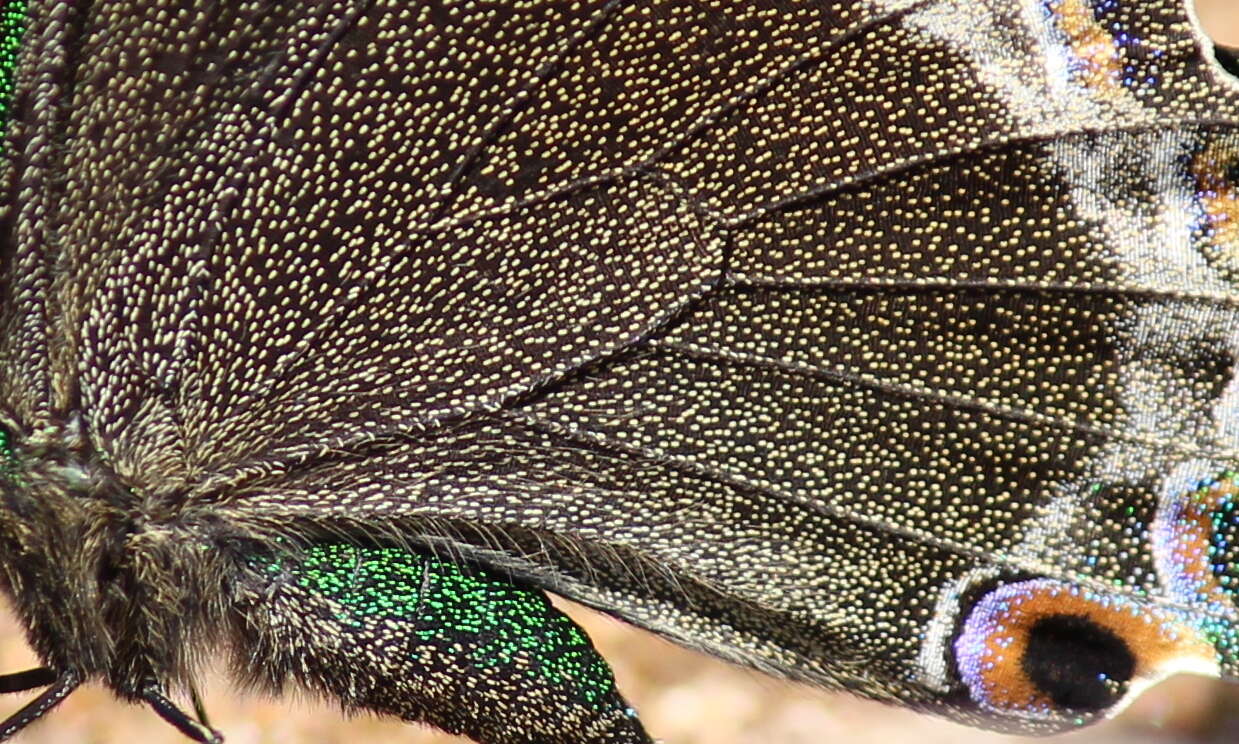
(602, 443)
(951, 400)
(997, 286)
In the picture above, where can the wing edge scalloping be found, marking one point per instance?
(1208, 45)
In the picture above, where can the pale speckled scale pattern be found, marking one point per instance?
(774, 326)
(359, 213)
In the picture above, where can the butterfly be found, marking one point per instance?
(887, 346)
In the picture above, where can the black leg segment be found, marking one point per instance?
(167, 710)
(27, 680)
(62, 685)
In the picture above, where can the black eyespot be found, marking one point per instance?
(1228, 58)
(1054, 652)
(1076, 663)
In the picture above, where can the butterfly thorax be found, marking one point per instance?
(107, 581)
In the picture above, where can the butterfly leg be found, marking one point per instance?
(62, 685)
(27, 680)
(199, 708)
(152, 693)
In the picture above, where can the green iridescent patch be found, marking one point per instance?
(12, 26)
(8, 459)
(498, 621)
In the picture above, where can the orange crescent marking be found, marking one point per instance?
(1218, 196)
(1100, 56)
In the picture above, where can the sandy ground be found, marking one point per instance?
(684, 697)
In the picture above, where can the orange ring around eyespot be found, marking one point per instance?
(1218, 197)
(991, 646)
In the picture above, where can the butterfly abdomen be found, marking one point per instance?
(390, 630)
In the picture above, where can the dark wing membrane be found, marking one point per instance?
(775, 327)
(385, 308)
(281, 264)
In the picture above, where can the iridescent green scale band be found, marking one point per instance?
(12, 26)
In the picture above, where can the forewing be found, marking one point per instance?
(257, 237)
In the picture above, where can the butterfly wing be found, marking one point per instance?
(811, 334)
(297, 251)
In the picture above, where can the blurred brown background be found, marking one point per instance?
(683, 697)
(1221, 19)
